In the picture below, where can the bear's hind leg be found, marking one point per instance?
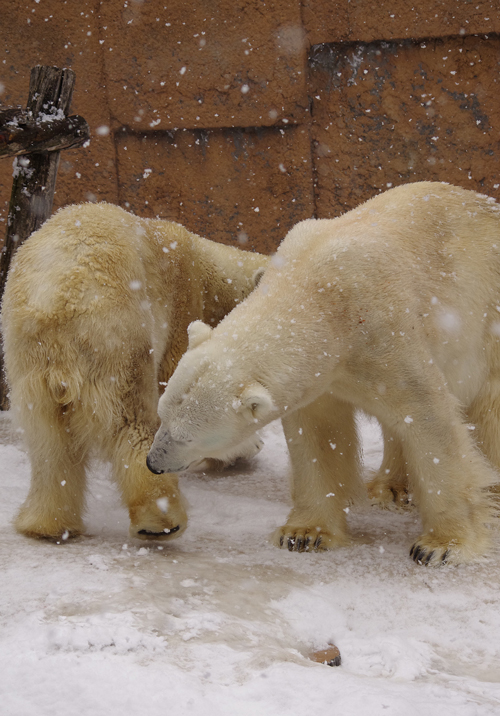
(389, 487)
(448, 475)
(323, 446)
(484, 416)
(56, 499)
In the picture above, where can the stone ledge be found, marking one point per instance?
(362, 21)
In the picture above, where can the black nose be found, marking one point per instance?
(152, 469)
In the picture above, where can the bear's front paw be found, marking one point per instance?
(306, 539)
(427, 554)
(158, 520)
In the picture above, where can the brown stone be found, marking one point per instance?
(359, 20)
(246, 188)
(330, 656)
(325, 21)
(389, 113)
(229, 63)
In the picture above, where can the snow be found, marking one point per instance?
(220, 622)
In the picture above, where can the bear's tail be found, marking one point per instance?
(55, 385)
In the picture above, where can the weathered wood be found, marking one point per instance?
(20, 134)
(32, 196)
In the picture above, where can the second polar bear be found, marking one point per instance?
(392, 308)
(94, 319)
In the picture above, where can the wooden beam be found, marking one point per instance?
(20, 134)
(32, 196)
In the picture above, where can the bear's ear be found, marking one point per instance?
(256, 402)
(258, 275)
(198, 333)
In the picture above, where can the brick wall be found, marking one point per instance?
(238, 118)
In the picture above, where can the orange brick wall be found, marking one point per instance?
(239, 118)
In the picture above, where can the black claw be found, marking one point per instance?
(306, 544)
(282, 539)
(291, 544)
(159, 534)
(429, 557)
(418, 553)
(317, 542)
(394, 494)
(300, 544)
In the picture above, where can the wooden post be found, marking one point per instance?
(49, 99)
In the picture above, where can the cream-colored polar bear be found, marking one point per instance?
(393, 308)
(95, 317)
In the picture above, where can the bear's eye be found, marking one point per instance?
(179, 436)
(254, 407)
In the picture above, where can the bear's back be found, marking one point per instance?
(89, 254)
(427, 227)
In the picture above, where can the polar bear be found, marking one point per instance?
(94, 318)
(392, 308)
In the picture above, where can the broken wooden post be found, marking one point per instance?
(36, 135)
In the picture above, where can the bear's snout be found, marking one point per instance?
(152, 468)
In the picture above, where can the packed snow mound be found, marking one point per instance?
(222, 622)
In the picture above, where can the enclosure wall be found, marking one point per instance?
(239, 118)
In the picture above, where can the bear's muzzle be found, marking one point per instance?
(152, 467)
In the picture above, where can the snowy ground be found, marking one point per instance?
(220, 622)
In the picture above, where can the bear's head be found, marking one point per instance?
(209, 406)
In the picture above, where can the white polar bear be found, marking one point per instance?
(94, 318)
(392, 308)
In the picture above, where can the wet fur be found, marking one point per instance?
(392, 308)
(94, 320)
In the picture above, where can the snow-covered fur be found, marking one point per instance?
(95, 319)
(392, 308)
